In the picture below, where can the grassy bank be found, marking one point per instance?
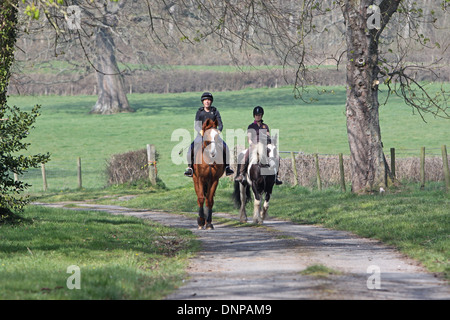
(118, 257)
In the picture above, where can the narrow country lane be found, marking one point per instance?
(240, 262)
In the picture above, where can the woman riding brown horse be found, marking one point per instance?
(208, 168)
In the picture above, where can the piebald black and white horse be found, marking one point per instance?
(261, 173)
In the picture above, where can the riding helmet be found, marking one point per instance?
(207, 95)
(258, 110)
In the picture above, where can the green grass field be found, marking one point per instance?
(55, 67)
(67, 130)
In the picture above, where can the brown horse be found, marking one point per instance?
(208, 168)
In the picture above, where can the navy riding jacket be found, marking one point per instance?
(202, 115)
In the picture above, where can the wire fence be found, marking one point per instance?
(324, 170)
(64, 175)
(317, 170)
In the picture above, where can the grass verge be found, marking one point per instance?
(118, 257)
(414, 221)
(319, 271)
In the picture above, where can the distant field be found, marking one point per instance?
(55, 67)
(68, 131)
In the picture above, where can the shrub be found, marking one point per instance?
(129, 167)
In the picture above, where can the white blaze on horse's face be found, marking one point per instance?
(212, 147)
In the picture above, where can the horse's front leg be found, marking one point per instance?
(210, 204)
(257, 211)
(200, 202)
(243, 195)
(256, 207)
(266, 206)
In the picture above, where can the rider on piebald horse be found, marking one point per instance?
(203, 113)
(254, 130)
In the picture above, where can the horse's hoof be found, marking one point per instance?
(209, 226)
(200, 222)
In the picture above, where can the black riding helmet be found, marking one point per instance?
(258, 110)
(207, 95)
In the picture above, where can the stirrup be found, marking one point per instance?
(228, 171)
(189, 172)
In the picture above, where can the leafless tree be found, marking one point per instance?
(375, 54)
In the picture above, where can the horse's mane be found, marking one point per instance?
(261, 150)
(208, 124)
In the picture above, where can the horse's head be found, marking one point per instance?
(272, 151)
(211, 137)
(267, 156)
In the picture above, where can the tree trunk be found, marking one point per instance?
(112, 96)
(8, 22)
(368, 164)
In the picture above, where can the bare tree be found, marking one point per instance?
(112, 96)
(365, 24)
(87, 29)
(294, 28)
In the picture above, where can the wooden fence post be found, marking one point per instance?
(151, 157)
(445, 165)
(341, 171)
(294, 168)
(393, 162)
(319, 181)
(422, 167)
(44, 176)
(80, 185)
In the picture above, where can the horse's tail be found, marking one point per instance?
(237, 192)
(236, 195)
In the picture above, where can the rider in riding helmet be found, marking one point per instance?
(203, 113)
(253, 131)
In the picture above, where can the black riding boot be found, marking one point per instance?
(190, 170)
(278, 181)
(226, 156)
(243, 169)
(241, 176)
